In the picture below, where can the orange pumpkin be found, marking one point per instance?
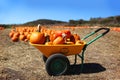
(11, 34)
(76, 36)
(59, 33)
(48, 31)
(28, 30)
(37, 38)
(67, 32)
(72, 38)
(14, 39)
(58, 40)
(16, 34)
(26, 33)
(53, 37)
(21, 33)
(28, 36)
(22, 37)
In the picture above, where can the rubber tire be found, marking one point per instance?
(62, 64)
(44, 58)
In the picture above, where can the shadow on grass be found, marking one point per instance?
(87, 68)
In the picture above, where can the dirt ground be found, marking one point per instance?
(21, 61)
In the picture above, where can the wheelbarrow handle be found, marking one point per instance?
(107, 30)
(98, 36)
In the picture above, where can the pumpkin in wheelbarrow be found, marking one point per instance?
(59, 40)
(37, 38)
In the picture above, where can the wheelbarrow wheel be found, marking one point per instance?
(44, 58)
(57, 64)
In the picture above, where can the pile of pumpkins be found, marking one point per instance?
(54, 37)
(43, 36)
(21, 33)
(115, 29)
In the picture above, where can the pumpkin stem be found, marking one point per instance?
(38, 27)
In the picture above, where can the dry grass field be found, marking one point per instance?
(21, 61)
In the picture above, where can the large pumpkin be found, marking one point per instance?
(37, 38)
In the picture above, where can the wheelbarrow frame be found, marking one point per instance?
(88, 43)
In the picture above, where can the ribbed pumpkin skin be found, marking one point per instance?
(37, 38)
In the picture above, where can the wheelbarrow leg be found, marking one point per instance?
(82, 58)
(75, 60)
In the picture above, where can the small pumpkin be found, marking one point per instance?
(53, 37)
(14, 39)
(16, 34)
(28, 30)
(22, 37)
(21, 33)
(28, 36)
(77, 37)
(72, 38)
(11, 34)
(25, 33)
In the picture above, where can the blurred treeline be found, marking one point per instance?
(113, 21)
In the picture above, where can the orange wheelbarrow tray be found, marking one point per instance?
(66, 49)
(55, 56)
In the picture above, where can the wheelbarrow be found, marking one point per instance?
(55, 56)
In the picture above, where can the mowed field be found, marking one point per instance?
(21, 61)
